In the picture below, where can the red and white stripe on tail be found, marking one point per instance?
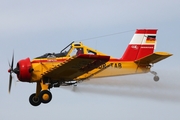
(142, 44)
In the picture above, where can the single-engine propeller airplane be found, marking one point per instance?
(77, 62)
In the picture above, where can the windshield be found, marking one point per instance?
(63, 52)
(67, 48)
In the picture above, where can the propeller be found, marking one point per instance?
(10, 72)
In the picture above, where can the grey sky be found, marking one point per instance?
(32, 28)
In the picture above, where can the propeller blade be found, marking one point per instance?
(9, 64)
(12, 63)
(10, 72)
(10, 82)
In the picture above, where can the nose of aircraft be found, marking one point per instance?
(22, 70)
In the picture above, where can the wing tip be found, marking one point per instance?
(163, 53)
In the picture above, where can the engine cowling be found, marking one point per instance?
(24, 70)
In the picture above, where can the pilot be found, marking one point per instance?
(79, 51)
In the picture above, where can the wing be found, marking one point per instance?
(75, 66)
(153, 58)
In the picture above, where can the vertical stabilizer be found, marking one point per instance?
(141, 45)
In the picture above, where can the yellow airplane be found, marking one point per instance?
(77, 62)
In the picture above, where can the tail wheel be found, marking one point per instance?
(156, 78)
(45, 96)
(35, 101)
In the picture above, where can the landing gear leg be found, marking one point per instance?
(45, 95)
(34, 99)
(156, 78)
(42, 95)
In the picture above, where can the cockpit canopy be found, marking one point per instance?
(70, 50)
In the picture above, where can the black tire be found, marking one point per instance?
(45, 96)
(156, 78)
(34, 101)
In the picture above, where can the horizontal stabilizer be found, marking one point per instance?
(153, 58)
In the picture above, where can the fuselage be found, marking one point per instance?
(114, 67)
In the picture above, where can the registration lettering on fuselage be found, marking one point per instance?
(114, 65)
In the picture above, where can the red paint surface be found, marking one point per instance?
(97, 57)
(24, 70)
(135, 51)
(146, 31)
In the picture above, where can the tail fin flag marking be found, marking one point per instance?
(151, 39)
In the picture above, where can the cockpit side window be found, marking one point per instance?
(77, 51)
(66, 50)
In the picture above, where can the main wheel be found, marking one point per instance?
(156, 78)
(45, 96)
(35, 101)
